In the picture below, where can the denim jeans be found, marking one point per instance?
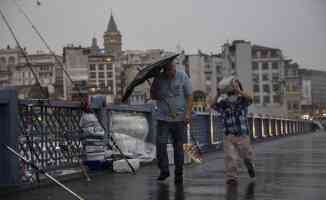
(177, 132)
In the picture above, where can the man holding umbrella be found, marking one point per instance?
(173, 91)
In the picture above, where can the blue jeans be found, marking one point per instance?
(177, 131)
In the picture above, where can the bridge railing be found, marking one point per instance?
(48, 134)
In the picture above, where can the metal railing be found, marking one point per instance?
(49, 135)
(49, 132)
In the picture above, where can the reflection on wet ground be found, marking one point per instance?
(287, 169)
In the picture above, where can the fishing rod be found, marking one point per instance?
(72, 82)
(43, 172)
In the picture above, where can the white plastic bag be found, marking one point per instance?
(135, 147)
(132, 124)
(121, 166)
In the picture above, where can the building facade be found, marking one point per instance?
(16, 73)
(293, 93)
(261, 71)
(204, 71)
(95, 70)
(9, 58)
(313, 87)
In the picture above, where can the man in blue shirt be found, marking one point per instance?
(234, 108)
(173, 91)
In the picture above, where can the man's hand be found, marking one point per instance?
(187, 118)
(236, 87)
(241, 92)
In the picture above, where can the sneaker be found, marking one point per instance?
(251, 168)
(163, 176)
(178, 179)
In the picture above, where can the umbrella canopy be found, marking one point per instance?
(147, 73)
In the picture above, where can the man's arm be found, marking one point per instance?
(246, 95)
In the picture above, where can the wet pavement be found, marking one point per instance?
(292, 168)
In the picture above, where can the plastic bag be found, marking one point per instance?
(132, 124)
(121, 166)
(135, 148)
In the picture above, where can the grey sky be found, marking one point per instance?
(298, 27)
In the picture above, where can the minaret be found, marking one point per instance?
(112, 38)
(94, 47)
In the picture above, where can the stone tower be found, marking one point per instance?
(112, 39)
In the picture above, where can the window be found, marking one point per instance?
(255, 78)
(3, 61)
(218, 69)
(265, 77)
(274, 53)
(275, 77)
(276, 99)
(266, 100)
(218, 79)
(108, 67)
(295, 88)
(295, 106)
(101, 74)
(109, 74)
(274, 65)
(110, 83)
(92, 75)
(102, 84)
(265, 66)
(256, 88)
(264, 53)
(266, 88)
(276, 87)
(257, 99)
(255, 66)
(92, 67)
(254, 54)
(11, 60)
(100, 67)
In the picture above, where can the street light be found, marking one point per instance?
(92, 89)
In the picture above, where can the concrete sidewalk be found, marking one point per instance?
(288, 168)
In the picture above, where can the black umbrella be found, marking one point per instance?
(148, 72)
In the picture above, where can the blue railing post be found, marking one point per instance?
(9, 164)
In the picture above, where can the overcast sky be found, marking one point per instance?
(298, 27)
